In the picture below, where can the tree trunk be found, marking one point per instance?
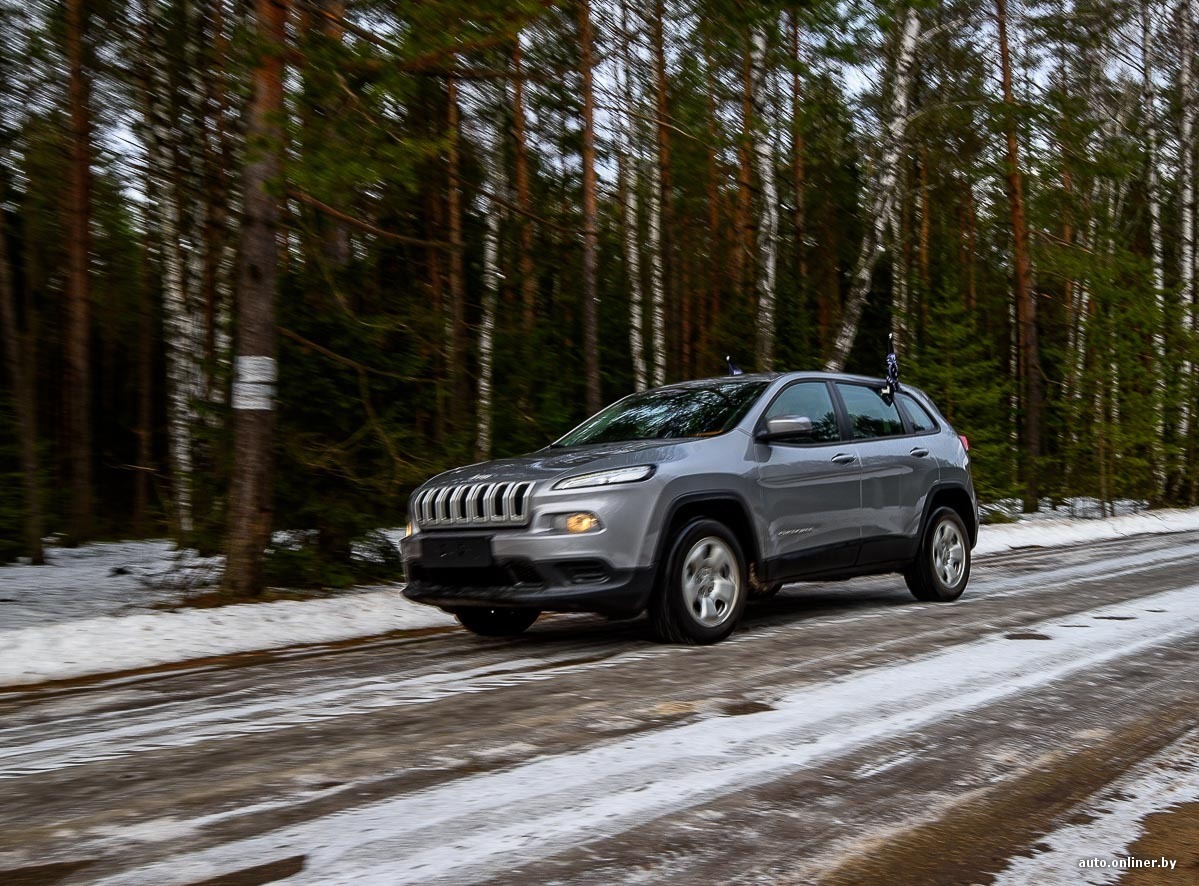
(768, 208)
(716, 261)
(798, 165)
(524, 200)
(1186, 223)
(743, 222)
(590, 215)
(77, 426)
(496, 184)
(629, 184)
(250, 506)
(455, 316)
(1152, 186)
(880, 203)
(21, 380)
(1026, 304)
(660, 207)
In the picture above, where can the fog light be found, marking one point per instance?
(575, 523)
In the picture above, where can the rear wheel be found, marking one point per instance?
(704, 586)
(496, 622)
(942, 568)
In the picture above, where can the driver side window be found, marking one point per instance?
(809, 399)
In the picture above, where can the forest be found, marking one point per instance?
(266, 265)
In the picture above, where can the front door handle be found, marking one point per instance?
(919, 452)
(843, 458)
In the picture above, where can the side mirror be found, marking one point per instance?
(786, 427)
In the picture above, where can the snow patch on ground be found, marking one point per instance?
(124, 642)
(107, 578)
(1046, 531)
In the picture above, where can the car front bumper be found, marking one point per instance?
(571, 585)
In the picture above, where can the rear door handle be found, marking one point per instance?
(919, 452)
(843, 458)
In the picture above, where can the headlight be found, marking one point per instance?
(411, 529)
(607, 478)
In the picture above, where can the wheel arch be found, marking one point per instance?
(726, 507)
(957, 497)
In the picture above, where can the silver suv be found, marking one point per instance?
(689, 499)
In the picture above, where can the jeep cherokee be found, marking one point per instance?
(687, 500)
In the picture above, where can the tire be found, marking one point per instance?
(703, 587)
(942, 568)
(496, 622)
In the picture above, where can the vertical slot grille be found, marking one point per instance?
(473, 504)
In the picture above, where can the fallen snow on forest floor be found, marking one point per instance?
(91, 610)
(127, 642)
(1047, 530)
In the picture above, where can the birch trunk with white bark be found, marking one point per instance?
(657, 273)
(884, 194)
(492, 276)
(1153, 198)
(1186, 209)
(768, 212)
(630, 181)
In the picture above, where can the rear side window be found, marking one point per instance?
(869, 414)
(921, 421)
(811, 400)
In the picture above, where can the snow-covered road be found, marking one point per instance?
(846, 734)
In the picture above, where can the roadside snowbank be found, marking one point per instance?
(89, 612)
(1046, 531)
(81, 647)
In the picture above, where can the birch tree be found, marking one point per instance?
(492, 277)
(1153, 201)
(768, 209)
(884, 190)
(630, 182)
(1188, 102)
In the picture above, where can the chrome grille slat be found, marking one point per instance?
(455, 497)
(472, 504)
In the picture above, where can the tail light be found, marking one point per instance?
(965, 442)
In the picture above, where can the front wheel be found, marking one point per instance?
(496, 622)
(942, 568)
(704, 586)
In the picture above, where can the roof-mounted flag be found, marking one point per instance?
(892, 386)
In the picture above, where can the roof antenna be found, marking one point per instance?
(891, 388)
(734, 369)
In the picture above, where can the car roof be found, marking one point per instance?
(790, 375)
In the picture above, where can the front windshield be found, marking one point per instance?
(668, 413)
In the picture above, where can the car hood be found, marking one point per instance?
(549, 463)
